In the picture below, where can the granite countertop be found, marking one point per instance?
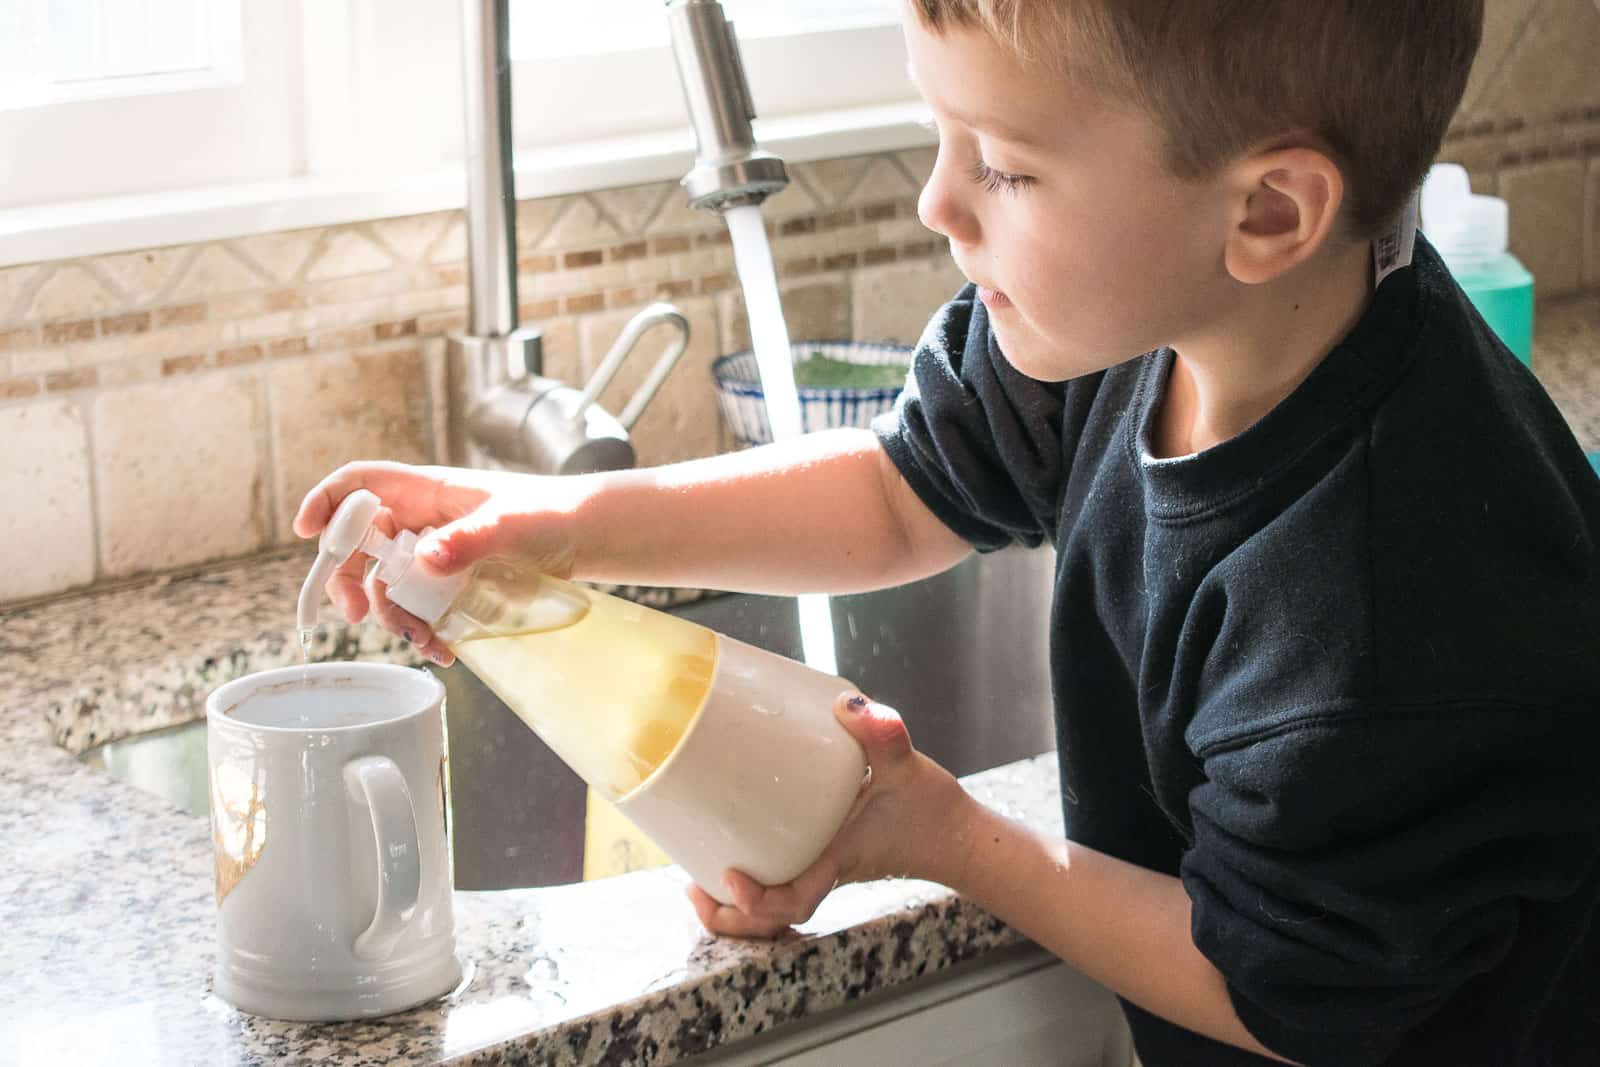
(107, 894)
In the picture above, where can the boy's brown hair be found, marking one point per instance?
(1375, 81)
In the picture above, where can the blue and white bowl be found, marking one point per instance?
(738, 383)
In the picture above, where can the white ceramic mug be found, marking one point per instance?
(332, 851)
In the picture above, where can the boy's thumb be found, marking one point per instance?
(877, 727)
(458, 545)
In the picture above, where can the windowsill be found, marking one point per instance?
(120, 224)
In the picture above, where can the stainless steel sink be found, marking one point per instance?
(962, 655)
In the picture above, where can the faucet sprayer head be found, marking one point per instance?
(729, 170)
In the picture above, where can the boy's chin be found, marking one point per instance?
(1043, 362)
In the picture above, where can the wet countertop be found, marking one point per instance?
(107, 893)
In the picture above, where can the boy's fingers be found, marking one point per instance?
(347, 587)
(437, 651)
(394, 618)
(726, 920)
(779, 906)
(414, 492)
(324, 498)
(347, 594)
(459, 544)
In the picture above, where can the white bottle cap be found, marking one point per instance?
(1461, 225)
(351, 530)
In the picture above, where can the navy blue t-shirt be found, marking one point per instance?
(1340, 674)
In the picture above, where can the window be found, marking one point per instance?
(799, 55)
(542, 28)
(303, 112)
(59, 50)
(113, 97)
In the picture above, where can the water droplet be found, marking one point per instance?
(771, 713)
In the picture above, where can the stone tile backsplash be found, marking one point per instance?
(168, 407)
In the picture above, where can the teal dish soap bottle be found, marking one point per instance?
(1470, 232)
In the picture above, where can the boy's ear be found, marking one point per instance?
(1289, 201)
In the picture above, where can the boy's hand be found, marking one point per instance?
(477, 514)
(904, 824)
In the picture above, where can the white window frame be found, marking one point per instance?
(368, 125)
(119, 136)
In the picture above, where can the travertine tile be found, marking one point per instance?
(534, 219)
(832, 180)
(47, 524)
(258, 329)
(38, 360)
(373, 405)
(1546, 205)
(411, 237)
(1503, 23)
(180, 472)
(423, 301)
(96, 353)
(633, 207)
(13, 283)
(580, 226)
(814, 310)
(282, 255)
(894, 303)
(682, 421)
(181, 340)
(73, 292)
(676, 216)
(346, 250)
(917, 163)
(452, 245)
(145, 275)
(214, 271)
(562, 350)
(1551, 68)
(883, 181)
(796, 198)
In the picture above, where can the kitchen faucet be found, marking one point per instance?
(515, 416)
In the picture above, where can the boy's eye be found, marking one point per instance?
(993, 181)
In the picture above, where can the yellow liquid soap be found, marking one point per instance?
(611, 687)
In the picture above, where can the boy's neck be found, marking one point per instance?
(1224, 381)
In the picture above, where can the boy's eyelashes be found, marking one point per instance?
(994, 181)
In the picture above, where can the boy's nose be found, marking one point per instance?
(941, 210)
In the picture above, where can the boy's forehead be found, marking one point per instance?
(965, 77)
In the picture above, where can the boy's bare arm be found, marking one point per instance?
(1122, 925)
(826, 513)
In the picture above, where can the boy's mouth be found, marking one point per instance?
(993, 298)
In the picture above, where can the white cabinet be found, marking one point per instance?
(1014, 1008)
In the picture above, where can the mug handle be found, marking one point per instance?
(377, 781)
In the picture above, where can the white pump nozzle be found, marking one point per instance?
(350, 531)
(1461, 225)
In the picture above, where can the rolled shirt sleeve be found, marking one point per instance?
(979, 442)
(1353, 867)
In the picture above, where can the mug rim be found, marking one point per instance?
(242, 688)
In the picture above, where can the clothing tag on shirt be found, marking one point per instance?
(1392, 249)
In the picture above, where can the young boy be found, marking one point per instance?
(1326, 630)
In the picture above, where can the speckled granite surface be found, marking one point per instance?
(106, 893)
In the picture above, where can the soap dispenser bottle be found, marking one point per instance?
(1470, 232)
(725, 754)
